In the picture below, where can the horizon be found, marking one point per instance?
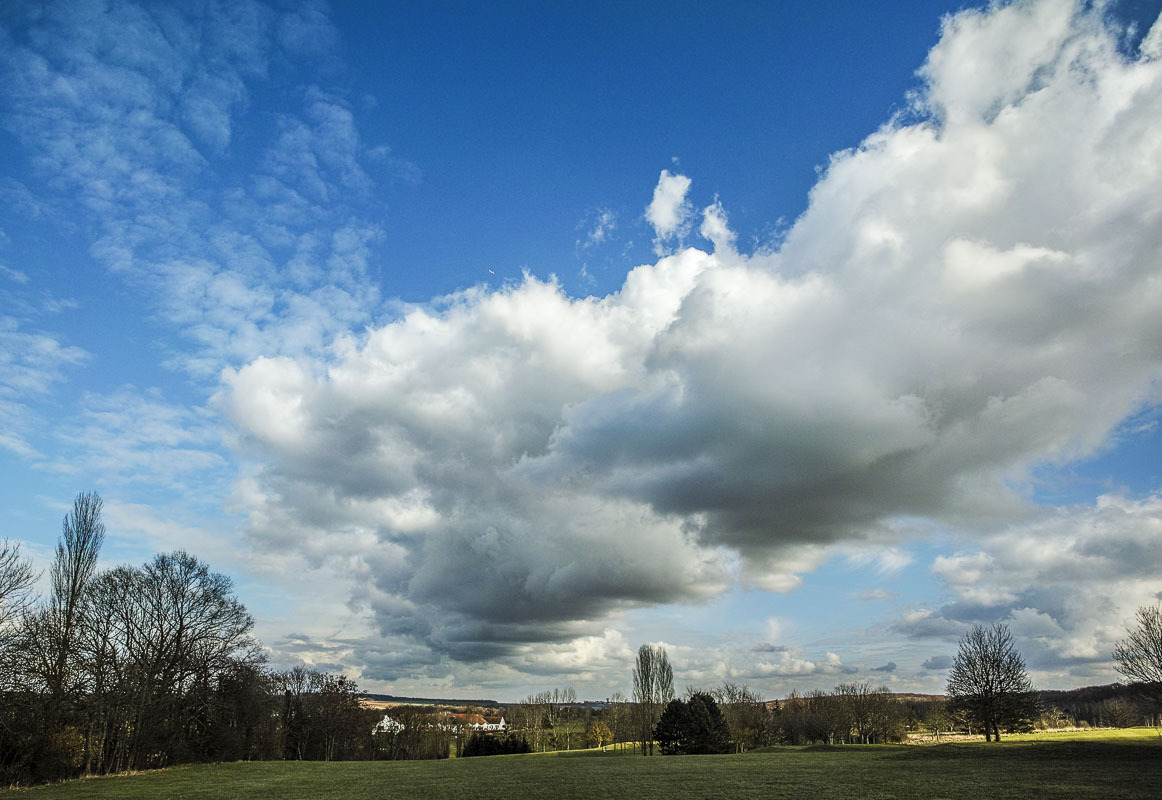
(479, 347)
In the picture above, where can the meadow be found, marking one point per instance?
(1105, 764)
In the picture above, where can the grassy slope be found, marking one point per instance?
(1085, 765)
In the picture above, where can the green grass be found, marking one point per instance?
(1106, 765)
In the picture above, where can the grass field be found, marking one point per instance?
(1106, 764)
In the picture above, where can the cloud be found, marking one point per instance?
(876, 594)
(889, 667)
(970, 296)
(31, 363)
(600, 223)
(924, 623)
(669, 212)
(937, 662)
(791, 664)
(716, 229)
(131, 435)
(131, 115)
(495, 477)
(1065, 584)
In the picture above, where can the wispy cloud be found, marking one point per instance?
(136, 436)
(599, 225)
(133, 111)
(31, 362)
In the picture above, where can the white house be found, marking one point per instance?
(387, 725)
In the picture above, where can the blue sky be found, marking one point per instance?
(481, 346)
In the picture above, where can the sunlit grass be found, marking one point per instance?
(1105, 764)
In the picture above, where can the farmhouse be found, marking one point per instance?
(387, 725)
(477, 722)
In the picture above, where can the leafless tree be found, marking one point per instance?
(653, 689)
(746, 715)
(989, 683)
(151, 648)
(1118, 712)
(50, 633)
(16, 579)
(617, 717)
(1138, 657)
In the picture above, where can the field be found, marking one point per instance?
(1107, 765)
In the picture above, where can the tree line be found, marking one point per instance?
(988, 691)
(137, 667)
(734, 718)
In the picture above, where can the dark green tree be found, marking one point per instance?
(692, 727)
(672, 728)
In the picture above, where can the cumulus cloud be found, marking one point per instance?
(669, 212)
(971, 294)
(716, 228)
(1065, 584)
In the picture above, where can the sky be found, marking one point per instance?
(481, 345)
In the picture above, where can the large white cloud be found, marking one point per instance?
(972, 293)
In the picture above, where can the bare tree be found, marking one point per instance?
(616, 717)
(16, 579)
(152, 646)
(653, 689)
(989, 683)
(50, 633)
(1138, 657)
(1118, 712)
(746, 715)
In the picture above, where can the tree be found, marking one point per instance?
(617, 717)
(653, 688)
(989, 683)
(870, 715)
(599, 734)
(671, 729)
(53, 631)
(155, 647)
(16, 578)
(692, 727)
(1118, 712)
(1138, 657)
(481, 744)
(750, 722)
